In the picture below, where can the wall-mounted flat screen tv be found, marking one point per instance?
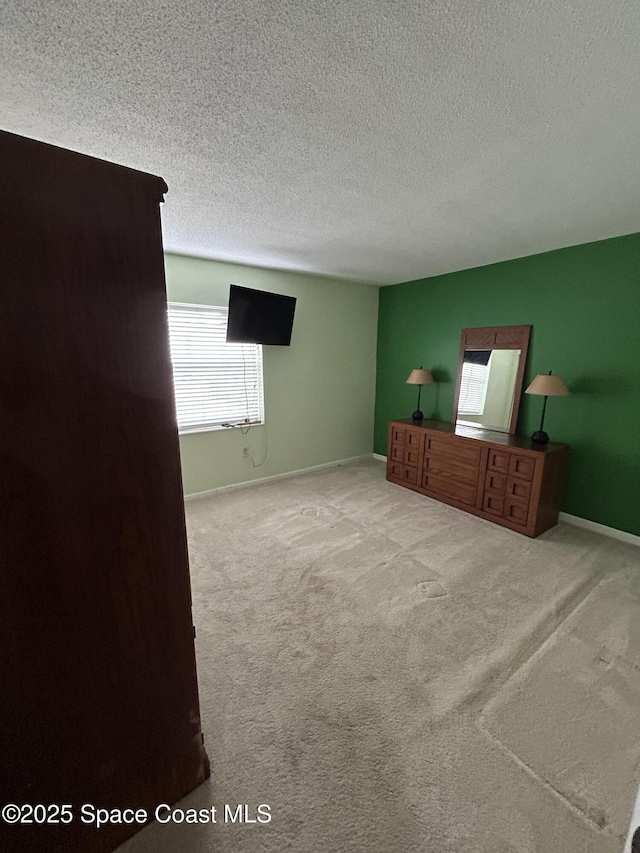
(258, 317)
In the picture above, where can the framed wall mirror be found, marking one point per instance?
(490, 373)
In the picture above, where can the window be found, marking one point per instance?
(473, 388)
(216, 383)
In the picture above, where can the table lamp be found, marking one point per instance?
(419, 377)
(546, 386)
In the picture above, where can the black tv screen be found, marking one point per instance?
(258, 317)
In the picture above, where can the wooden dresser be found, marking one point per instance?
(503, 478)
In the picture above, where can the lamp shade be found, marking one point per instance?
(547, 385)
(420, 377)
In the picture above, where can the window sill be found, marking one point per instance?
(219, 427)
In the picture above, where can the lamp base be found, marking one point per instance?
(417, 415)
(540, 437)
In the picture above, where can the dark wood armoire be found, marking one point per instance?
(98, 690)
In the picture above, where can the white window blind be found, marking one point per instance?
(473, 388)
(215, 382)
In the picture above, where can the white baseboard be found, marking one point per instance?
(195, 495)
(613, 532)
(575, 520)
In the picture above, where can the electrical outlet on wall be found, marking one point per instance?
(245, 451)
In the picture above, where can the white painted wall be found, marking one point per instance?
(319, 393)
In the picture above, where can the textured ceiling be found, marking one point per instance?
(374, 140)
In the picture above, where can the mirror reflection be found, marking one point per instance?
(487, 388)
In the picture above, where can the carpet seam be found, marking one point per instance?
(600, 827)
(571, 606)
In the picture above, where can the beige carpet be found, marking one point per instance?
(390, 674)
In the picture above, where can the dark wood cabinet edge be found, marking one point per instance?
(114, 170)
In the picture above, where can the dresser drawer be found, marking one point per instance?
(404, 473)
(413, 438)
(411, 456)
(406, 436)
(518, 489)
(493, 503)
(498, 460)
(516, 511)
(521, 466)
(397, 434)
(449, 488)
(459, 449)
(495, 482)
(448, 466)
(396, 453)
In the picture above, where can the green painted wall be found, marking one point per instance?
(584, 305)
(318, 393)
